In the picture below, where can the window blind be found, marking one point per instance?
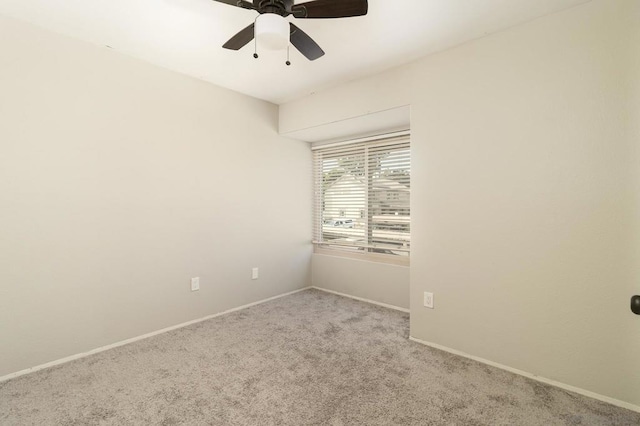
(362, 196)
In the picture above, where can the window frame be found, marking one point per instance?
(368, 146)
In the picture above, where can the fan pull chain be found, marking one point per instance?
(255, 40)
(288, 62)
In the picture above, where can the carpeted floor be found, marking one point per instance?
(307, 359)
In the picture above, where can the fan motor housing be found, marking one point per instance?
(280, 7)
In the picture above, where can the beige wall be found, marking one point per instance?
(525, 192)
(119, 181)
(378, 282)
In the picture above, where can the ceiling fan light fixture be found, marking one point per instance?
(272, 31)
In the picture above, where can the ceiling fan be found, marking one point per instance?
(280, 9)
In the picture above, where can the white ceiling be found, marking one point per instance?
(186, 36)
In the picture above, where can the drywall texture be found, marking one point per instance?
(525, 192)
(120, 181)
(379, 282)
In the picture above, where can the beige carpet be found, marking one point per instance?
(307, 359)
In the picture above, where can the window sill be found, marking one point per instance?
(369, 257)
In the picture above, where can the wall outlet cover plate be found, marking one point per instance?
(195, 284)
(428, 300)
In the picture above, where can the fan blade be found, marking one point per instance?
(239, 40)
(330, 9)
(239, 3)
(305, 44)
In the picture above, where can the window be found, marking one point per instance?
(362, 193)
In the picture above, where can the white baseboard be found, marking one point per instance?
(560, 385)
(373, 302)
(137, 338)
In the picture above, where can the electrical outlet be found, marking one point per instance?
(254, 274)
(195, 284)
(428, 300)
